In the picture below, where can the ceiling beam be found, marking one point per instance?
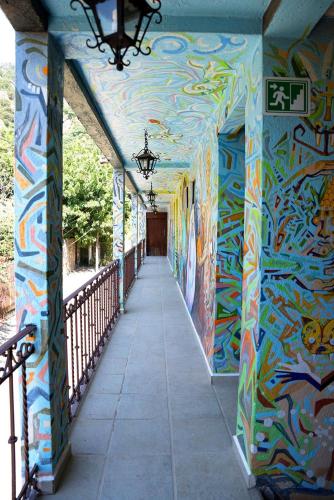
(287, 19)
(269, 14)
(87, 113)
(25, 15)
(173, 24)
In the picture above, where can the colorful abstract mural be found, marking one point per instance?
(286, 391)
(134, 219)
(141, 221)
(231, 204)
(194, 233)
(38, 240)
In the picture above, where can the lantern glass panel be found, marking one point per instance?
(131, 13)
(107, 13)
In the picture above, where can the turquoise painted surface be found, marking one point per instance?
(38, 241)
(230, 242)
(286, 391)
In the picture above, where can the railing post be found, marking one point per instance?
(38, 244)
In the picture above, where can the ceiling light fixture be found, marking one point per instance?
(146, 160)
(119, 24)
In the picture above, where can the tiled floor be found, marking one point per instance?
(151, 427)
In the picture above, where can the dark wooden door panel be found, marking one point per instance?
(156, 233)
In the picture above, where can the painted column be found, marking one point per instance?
(287, 377)
(229, 266)
(142, 221)
(118, 225)
(38, 244)
(134, 225)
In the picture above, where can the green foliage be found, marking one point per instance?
(6, 230)
(88, 186)
(7, 106)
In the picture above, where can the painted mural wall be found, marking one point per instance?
(194, 233)
(286, 392)
(193, 228)
(229, 265)
(286, 411)
(38, 241)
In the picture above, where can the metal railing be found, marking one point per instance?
(89, 315)
(129, 270)
(13, 355)
(140, 254)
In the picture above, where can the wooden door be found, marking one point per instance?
(156, 233)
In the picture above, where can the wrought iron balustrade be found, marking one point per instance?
(89, 315)
(129, 270)
(13, 356)
(140, 254)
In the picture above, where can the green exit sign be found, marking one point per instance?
(287, 96)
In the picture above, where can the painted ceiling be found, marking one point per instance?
(174, 92)
(228, 8)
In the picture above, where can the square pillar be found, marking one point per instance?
(229, 260)
(142, 221)
(286, 389)
(134, 225)
(118, 225)
(38, 245)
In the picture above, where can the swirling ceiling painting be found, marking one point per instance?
(174, 93)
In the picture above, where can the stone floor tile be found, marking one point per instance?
(140, 437)
(81, 479)
(99, 406)
(209, 476)
(142, 406)
(198, 435)
(193, 405)
(90, 437)
(227, 394)
(138, 478)
(112, 384)
(112, 365)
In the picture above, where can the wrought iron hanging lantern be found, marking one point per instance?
(146, 160)
(119, 24)
(151, 196)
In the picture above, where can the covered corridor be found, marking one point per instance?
(236, 100)
(150, 426)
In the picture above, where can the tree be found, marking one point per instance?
(7, 106)
(88, 185)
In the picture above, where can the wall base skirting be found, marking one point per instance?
(246, 472)
(49, 484)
